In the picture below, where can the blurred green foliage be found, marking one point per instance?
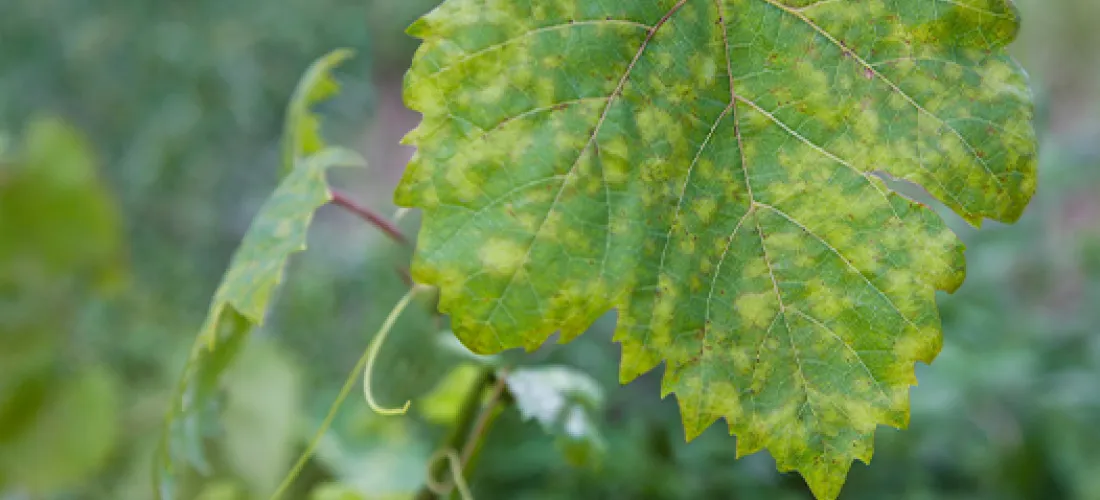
(59, 240)
(117, 220)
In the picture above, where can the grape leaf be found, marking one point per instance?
(302, 130)
(711, 168)
(279, 230)
(257, 268)
(241, 300)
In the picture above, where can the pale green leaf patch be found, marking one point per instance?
(708, 168)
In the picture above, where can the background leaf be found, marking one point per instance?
(563, 401)
(712, 170)
(60, 240)
(54, 453)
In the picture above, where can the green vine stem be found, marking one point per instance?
(467, 435)
(456, 473)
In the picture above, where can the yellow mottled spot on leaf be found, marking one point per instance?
(501, 256)
(756, 309)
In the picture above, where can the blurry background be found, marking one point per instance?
(147, 135)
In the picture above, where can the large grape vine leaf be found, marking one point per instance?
(711, 169)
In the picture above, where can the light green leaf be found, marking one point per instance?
(708, 168)
(255, 272)
(189, 421)
(302, 135)
(563, 401)
(279, 230)
(241, 302)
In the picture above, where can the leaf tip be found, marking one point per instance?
(824, 488)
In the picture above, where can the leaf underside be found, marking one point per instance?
(707, 167)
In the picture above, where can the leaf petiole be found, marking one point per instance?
(373, 218)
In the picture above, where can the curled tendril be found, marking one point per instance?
(443, 488)
(372, 355)
(365, 362)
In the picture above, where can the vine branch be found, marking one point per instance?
(483, 418)
(473, 422)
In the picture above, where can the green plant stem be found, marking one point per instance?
(457, 436)
(484, 419)
(473, 422)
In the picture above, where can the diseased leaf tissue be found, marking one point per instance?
(705, 167)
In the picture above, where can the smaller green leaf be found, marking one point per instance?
(241, 301)
(564, 401)
(279, 230)
(194, 406)
(302, 135)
